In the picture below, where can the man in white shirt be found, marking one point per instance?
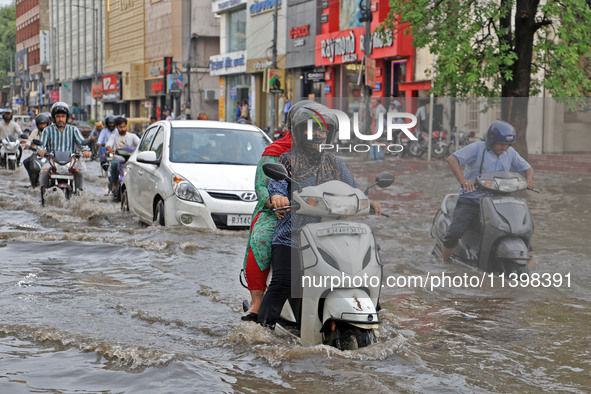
(119, 140)
(9, 127)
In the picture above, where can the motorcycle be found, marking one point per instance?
(501, 240)
(122, 155)
(465, 138)
(343, 315)
(9, 151)
(61, 173)
(419, 147)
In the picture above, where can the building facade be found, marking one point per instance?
(76, 34)
(32, 55)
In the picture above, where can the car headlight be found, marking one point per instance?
(184, 190)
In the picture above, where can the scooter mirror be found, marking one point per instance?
(275, 171)
(384, 179)
(86, 141)
(24, 136)
(37, 142)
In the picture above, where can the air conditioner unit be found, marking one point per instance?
(211, 95)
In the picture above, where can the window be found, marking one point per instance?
(158, 143)
(237, 30)
(146, 142)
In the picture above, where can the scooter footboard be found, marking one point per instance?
(353, 306)
(512, 249)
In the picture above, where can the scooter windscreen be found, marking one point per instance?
(501, 181)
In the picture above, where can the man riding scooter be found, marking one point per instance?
(9, 127)
(104, 136)
(119, 140)
(41, 121)
(493, 154)
(61, 136)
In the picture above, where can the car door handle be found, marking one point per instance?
(140, 172)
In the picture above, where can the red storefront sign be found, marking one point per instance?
(347, 47)
(54, 96)
(110, 83)
(299, 31)
(157, 86)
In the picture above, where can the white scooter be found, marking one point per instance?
(340, 269)
(9, 151)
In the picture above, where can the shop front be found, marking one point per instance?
(235, 84)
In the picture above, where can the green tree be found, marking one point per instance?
(492, 48)
(7, 42)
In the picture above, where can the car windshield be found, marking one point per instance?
(216, 146)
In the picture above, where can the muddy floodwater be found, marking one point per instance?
(93, 301)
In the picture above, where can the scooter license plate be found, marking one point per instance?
(341, 230)
(238, 220)
(56, 176)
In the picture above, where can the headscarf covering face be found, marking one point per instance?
(306, 158)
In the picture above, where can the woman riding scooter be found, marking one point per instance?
(308, 166)
(264, 221)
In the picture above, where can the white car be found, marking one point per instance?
(194, 173)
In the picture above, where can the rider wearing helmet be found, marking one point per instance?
(104, 136)
(493, 154)
(61, 136)
(9, 127)
(41, 121)
(307, 165)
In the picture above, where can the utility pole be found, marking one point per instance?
(274, 65)
(189, 58)
(366, 16)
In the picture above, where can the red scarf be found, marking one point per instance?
(279, 147)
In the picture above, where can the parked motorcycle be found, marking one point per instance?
(122, 155)
(9, 151)
(438, 146)
(465, 138)
(343, 315)
(501, 240)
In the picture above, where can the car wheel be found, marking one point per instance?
(124, 201)
(159, 213)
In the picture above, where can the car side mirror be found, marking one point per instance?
(148, 157)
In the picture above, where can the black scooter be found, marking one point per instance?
(501, 240)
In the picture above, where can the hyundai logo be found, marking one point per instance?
(248, 196)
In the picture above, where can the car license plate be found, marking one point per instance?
(54, 176)
(239, 220)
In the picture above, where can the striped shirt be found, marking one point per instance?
(56, 140)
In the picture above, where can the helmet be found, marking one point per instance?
(7, 111)
(110, 119)
(60, 108)
(293, 109)
(500, 132)
(42, 118)
(320, 115)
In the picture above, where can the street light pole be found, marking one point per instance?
(274, 66)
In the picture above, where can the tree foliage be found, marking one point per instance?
(501, 48)
(491, 48)
(7, 41)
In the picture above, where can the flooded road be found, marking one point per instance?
(93, 301)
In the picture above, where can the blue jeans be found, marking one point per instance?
(114, 171)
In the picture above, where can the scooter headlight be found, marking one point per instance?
(509, 185)
(339, 204)
(315, 202)
(184, 190)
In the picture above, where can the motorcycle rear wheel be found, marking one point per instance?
(440, 149)
(415, 150)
